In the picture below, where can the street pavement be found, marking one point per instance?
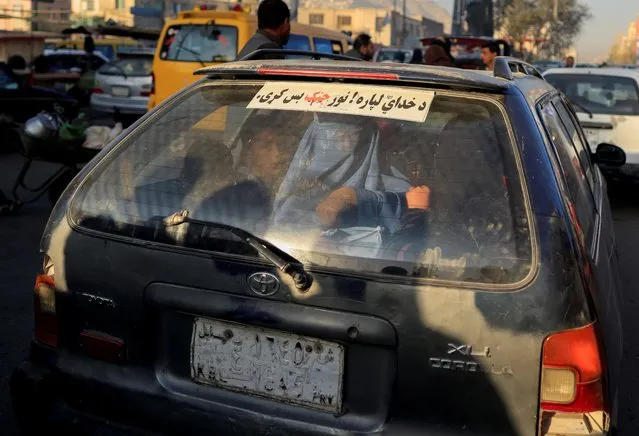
(20, 261)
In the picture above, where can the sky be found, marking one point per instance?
(609, 18)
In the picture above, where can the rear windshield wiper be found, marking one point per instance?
(581, 108)
(114, 64)
(301, 278)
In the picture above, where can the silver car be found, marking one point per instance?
(124, 85)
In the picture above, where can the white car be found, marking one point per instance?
(606, 101)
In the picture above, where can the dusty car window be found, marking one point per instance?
(199, 43)
(435, 198)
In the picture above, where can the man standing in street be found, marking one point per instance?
(363, 48)
(274, 28)
(570, 62)
(489, 52)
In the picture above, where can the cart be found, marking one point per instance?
(69, 155)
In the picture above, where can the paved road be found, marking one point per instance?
(20, 260)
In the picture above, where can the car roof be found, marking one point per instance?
(68, 51)
(619, 72)
(452, 77)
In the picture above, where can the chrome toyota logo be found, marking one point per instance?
(263, 284)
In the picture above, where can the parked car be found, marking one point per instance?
(307, 247)
(20, 100)
(393, 55)
(607, 103)
(124, 85)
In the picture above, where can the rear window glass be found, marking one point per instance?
(598, 94)
(130, 67)
(200, 43)
(106, 50)
(396, 56)
(323, 45)
(437, 197)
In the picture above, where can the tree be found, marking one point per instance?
(535, 21)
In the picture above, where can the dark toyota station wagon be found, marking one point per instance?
(334, 248)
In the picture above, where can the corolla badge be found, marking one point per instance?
(263, 283)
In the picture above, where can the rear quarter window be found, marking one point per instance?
(435, 199)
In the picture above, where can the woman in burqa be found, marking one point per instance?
(337, 182)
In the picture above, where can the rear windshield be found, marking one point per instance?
(598, 94)
(129, 66)
(199, 43)
(358, 178)
(396, 56)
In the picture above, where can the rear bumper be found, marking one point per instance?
(45, 398)
(109, 104)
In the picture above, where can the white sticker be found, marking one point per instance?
(364, 100)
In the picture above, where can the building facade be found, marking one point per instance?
(386, 26)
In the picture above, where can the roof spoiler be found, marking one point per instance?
(505, 67)
(269, 53)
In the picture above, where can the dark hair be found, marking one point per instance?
(17, 62)
(362, 40)
(492, 46)
(418, 56)
(271, 14)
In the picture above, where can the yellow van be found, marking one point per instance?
(108, 46)
(200, 38)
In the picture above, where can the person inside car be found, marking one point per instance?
(363, 48)
(489, 52)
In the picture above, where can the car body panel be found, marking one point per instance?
(422, 357)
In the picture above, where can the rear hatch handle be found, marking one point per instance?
(269, 251)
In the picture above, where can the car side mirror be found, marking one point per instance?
(609, 154)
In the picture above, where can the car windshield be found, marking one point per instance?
(200, 43)
(129, 66)
(367, 179)
(602, 94)
(396, 56)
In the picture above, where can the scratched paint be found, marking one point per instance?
(284, 367)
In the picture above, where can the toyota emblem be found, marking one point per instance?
(263, 283)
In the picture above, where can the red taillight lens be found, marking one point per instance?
(145, 93)
(44, 309)
(97, 91)
(572, 374)
(102, 346)
(331, 74)
(152, 83)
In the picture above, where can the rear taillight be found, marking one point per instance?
(572, 383)
(152, 83)
(97, 91)
(102, 346)
(44, 307)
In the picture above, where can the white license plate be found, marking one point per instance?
(281, 366)
(120, 91)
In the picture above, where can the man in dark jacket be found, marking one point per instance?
(363, 48)
(274, 28)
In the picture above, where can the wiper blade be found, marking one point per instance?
(583, 109)
(301, 278)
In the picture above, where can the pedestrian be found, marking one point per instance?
(418, 57)
(570, 62)
(273, 28)
(489, 51)
(363, 48)
(438, 54)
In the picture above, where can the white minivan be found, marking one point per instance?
(607, 104)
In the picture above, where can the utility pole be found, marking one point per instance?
(403, 40)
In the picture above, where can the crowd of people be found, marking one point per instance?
(274, 28)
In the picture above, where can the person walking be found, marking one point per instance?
(273, 28)
(438, 54)
(363, 48)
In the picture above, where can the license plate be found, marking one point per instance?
(272, 364)
(120, 91)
